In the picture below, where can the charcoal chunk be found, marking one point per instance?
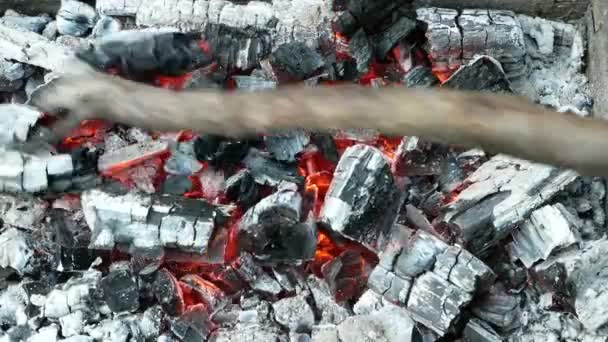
(176, 185)
(498, 308)
(220, 151)
(479, 331)
(362, 199)
(106, 25)
(120, 290)
(346, 275)
(370, 14)
(389, 324)
(295, 61)
(326, 145)
(255, 275)
(399, 30)
(421, 76)
(242, 189)
(194, 325)
(284, 146)
(346, 24)
(272, 230)
(252, 83)
(141, 54)
(30, 23)
(481, 74)
(267, 171)
(361, 50)
(75, 18)
(464, 270)
(294, 313)
(168, 293)
(237, 48)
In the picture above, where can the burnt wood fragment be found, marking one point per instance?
(481, 74)
(295, 61)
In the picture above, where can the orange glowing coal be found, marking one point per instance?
(89, 131)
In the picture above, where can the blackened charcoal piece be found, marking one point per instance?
(84, 161)
(399, 30)
(30, 23)
(255, 275)
(221, 151)
(346, 24)
(176, 185)
(416, 256)
(11, 75)
(462, 269)
(194, 325)
(285, 145)
(326, 145)
(242, 189)
(479, 331)
(548, 229)
(362, 201)
(346, 275)
(140, 54)
(237, 48)
(481, 74)
(120, 290)
(295, 61)
(436, 303)
(498, 308)
(168, 293)
(361, 50)
(371, 13)
(331, 312)
(420, 77)
(75, 18)
(391, 287)
(500, 195)
(267, 171)
(416, 157)
(273, 230)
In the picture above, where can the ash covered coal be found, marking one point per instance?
(292, 235)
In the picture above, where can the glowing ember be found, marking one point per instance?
(88, 132)
(173, 83)
(454, 194)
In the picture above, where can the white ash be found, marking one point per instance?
(106, 25)
(16, 250)
(331, 311)
(75, 18)
(13, 306)
(30, 23)
(555, 60)
(17, 120)
(389, 324)
(46, 334)
(76, 294)
(294, 313)
(22, 211)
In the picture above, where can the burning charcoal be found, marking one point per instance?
(105, 26)
(365, 216)
(17, 120)
(346, 24)
(193, 325)
(294, 313)
(168, 293)
(251, 83)
(266, 171)
(286, 145)
(346, 275)
(257, 278)
(248, 333)
(492, 206)
(176, 185)
(548, 229)
(134, 53)
(479, 331)
(17, 250)
(324, 303)
(361, 50)
(455, 38)
(399, 30)
(436, 303)
(295, 61)
(30, 23)
(483, 73)
(120, 290)
(237, 48)
(420, 76)
(326, 145)
(75, 18)
(130, 155)
(204, 290)
(242, 189)
(498, 308)
(273, 229)
(391, 324)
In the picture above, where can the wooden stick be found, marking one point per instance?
(496, 123)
